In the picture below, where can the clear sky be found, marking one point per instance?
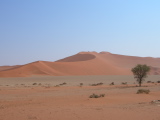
(49, 30)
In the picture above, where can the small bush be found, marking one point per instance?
(124, 83)
(96, 96)
(100, 83)
(39, 84)
(34, 84)
(112, 83)
(140, 91)
(81, 84)
(63, 83)
(158, 81)
(102, 95)
(93, 96)
(97, 84)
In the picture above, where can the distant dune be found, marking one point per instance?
(83, 63)
(3, 68)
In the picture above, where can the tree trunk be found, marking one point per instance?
(140, 82)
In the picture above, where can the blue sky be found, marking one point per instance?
(49, 30)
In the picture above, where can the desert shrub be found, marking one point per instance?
(140, 91)
(112, 83)
(124, 83)
(100, 83)
(60, 84)
(40, 84)
(158, 81)
(81, 84)
(63, 83)
(102, 95)
(93, 85)
(96, 96)
(34, 84)
(97, 84)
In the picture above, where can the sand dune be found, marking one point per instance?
(3, 68)
(83, 63)
(78, 57)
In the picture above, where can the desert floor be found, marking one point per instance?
(62, 98)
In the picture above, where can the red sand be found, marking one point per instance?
(73, 103)
(4, 68)
(84, 63)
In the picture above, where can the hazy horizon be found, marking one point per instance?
(51, 30)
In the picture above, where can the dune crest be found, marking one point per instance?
(83, 63)
(78, 57)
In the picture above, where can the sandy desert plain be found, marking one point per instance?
(61, 90)
(43, 98)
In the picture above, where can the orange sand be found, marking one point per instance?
(73, 103)
(83, 63)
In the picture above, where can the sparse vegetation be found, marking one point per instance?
(124, 83)
(56, 86)
(112, 83)
(97, 84)
(61, 84)
(141, 91)
(140, 72)
(39, 84)
(81, 84)
(34, 84)
(96, 96)
(102, 95)
(158, 81)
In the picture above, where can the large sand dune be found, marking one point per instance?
(83, 63)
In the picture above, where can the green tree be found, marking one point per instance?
(140, 72)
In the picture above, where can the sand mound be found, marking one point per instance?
(84, 63)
